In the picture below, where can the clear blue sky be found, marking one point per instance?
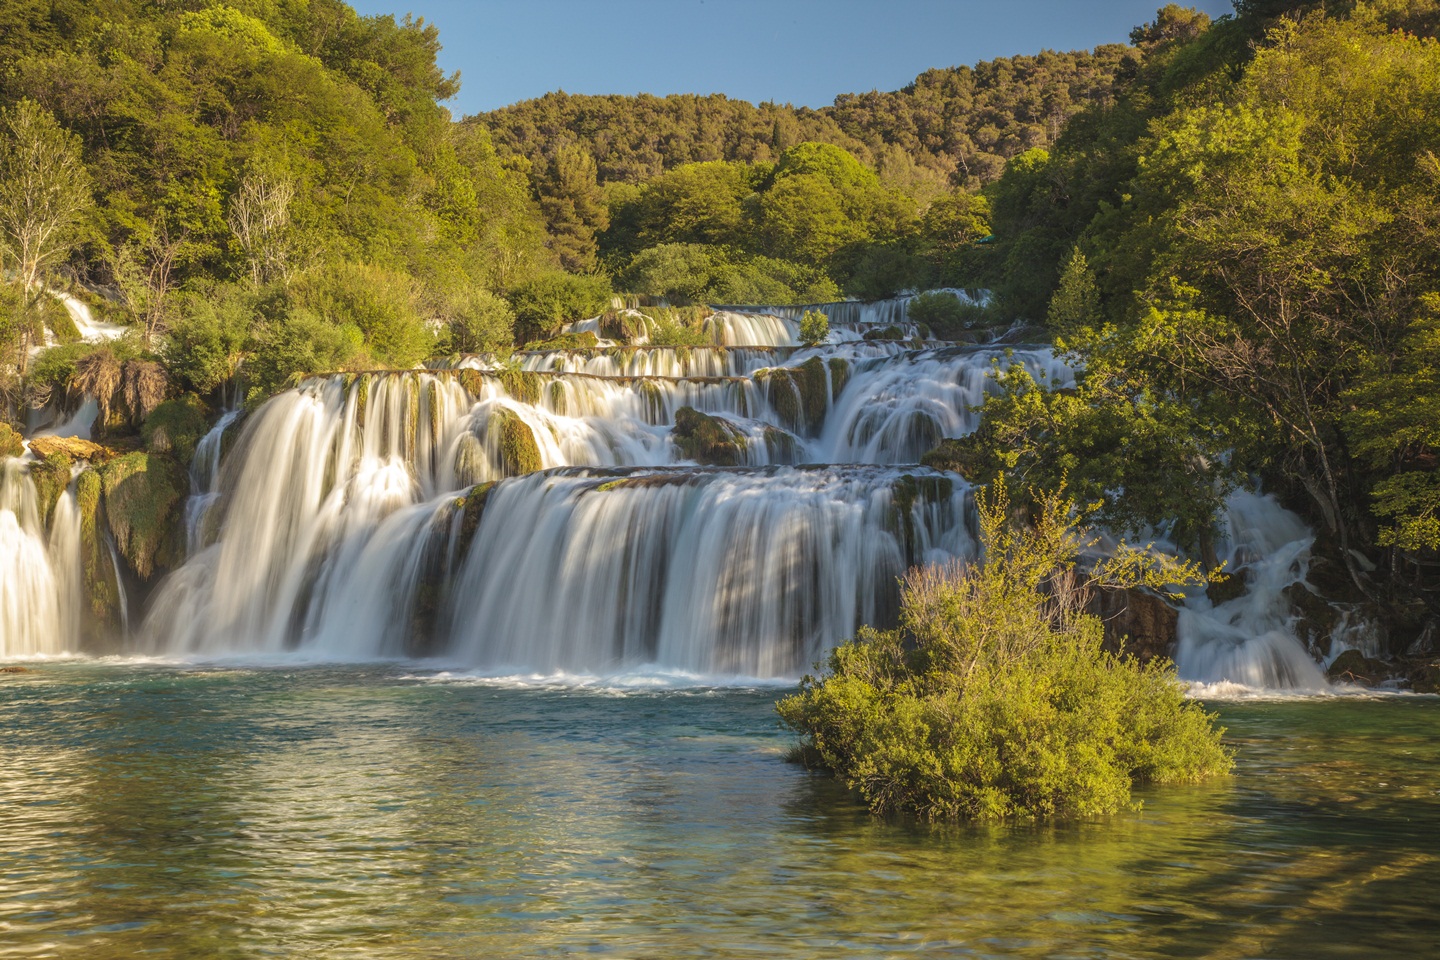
(802, 52)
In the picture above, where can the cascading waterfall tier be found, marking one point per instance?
(707, 571)
(604, 509)
(39, 573)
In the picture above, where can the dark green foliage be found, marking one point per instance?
(994, 700)
(479, 321)
(948, 316)
(205, 342)
(957, 124)
(384, 305)
(299, 342)
(543, 304)
(709, 441)
(175, 427)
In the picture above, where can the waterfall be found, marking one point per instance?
(1250, 640)
(39, 575)
(731, 509)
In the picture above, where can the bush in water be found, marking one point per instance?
(993, 700)
(814, 328)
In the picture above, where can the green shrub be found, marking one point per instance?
(204, 343)
(479, 321)
(671, 327)
(584, 340)
(993, 700)
(546, 302)
(299, 342)
(175, 427)
(814, 328)
(382, 304)
(947, 316)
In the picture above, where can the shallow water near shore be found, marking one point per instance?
(229, 810)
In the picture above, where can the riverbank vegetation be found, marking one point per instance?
(993, 699)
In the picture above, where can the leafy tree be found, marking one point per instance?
(1076, 302)
(814, 328)
(44, 194)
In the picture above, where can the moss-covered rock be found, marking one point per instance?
(519, 453)
(50, 475)
(11, 445)
(521, 385)
(839, 374)
(708, 440)
(958, 455)
(102, 590)
(142, 493)
(175, 427)
(800, 394)
(884, 333)
(472, 508)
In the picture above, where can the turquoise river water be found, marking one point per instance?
(153, 810)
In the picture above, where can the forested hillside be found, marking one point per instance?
(954, 126)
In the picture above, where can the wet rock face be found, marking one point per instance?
(1227, 587)
(1352, 666)
(1425, 678)
(1137, 622)
(1315, 618)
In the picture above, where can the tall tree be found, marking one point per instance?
(44, 194)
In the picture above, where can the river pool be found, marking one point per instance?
(163, 810)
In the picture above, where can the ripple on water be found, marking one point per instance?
(220, 810)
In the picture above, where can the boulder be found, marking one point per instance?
(74, 448)
(1352, 666)
(1425, 678)
(1226, 586)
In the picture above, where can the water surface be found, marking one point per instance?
(205, 811)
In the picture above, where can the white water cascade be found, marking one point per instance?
(39, 573)
(545, 516)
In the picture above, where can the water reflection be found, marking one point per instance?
(362, 813)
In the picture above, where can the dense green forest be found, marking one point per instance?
(1232, 225)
